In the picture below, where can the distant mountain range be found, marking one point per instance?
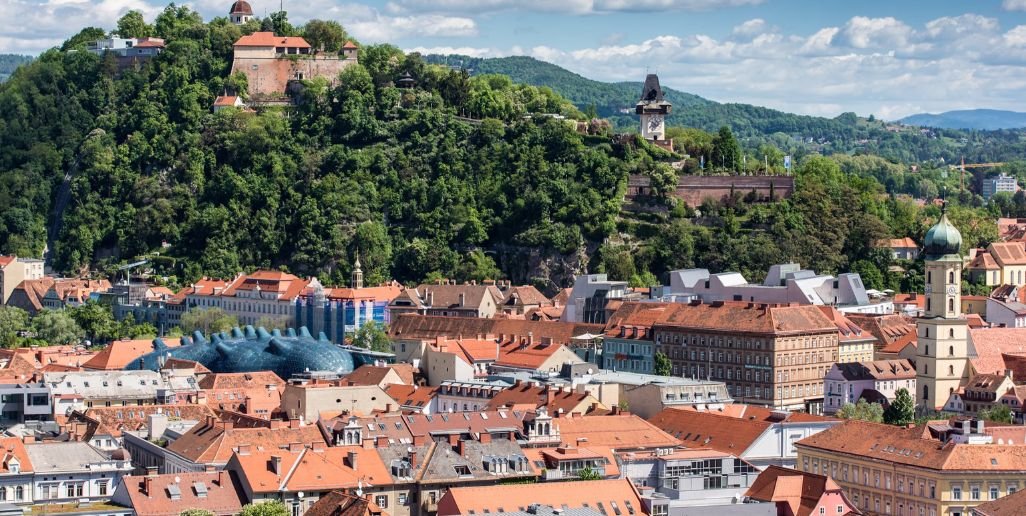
(8, 62)
(987, 119)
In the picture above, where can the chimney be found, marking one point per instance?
(294, 422)
(463, 299)
(244, 449)
(550, 395)
(317, 446)
(459, 448)
(296, 447)
(351, 457)
(368, 443)
(148, 486)
(275, 464)
(485, 438)
(388, 408)
(1008, 374)
(277, 423)
(382, 441)
(419, 440)
(222, 478)
(413, 458)
(530, 338)
(157, 424)
(151, 471)
(454, 439)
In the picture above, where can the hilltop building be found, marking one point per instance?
(14, 270)
(654, 108)
(270, 63)
(241, 12)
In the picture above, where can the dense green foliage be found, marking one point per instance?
(796, 134)
(465, 176)
(902, 410)
(209, 320)
(862, 411)
(997, 414)
(273, 508)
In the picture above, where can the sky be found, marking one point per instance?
(819, 57)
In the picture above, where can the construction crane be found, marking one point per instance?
(963, 166)
(128, 269)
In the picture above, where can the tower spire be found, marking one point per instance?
(357, 279)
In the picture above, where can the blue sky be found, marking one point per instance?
(888, 58)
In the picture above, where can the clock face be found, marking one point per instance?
(654, 122)
(928, 289)
(952, 290)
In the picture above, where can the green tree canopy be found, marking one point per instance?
(274, 508)
(663, 366)
(726, 153)
(207, 321)
(373, 336)
(863, 411)
(56, 327)
(96, 320)
(326, 35)
(12, 321)
(133, 25)
(902, 410)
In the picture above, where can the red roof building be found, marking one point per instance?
(798, 493)
(217, 492)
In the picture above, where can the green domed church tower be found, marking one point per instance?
(941, 354)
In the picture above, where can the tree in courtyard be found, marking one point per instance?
(56, 327)
(862, 411)
(663, 367)
(207, 321)
(96, 320)
(998, 414)
(275, 508)
(902, 410)
(373, 336)
(12, 321)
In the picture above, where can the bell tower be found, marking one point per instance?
(941, 351)
(654, 109)
(357, 279)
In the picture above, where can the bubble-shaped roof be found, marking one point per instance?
(254, 349)
(942, 239)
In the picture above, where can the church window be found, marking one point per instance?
(951, 304)
(951, 350)
(951, 277)
(951, 370)
(926, 392)
(928, 305)
(951, 334)
(929, 276)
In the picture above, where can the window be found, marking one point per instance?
(994, 492)
(382, 501)
(840, 509)
(102, 488)
(74, 490)
(974, 492)
(401, 499)
(462, 470)
(19, 493)
(956, 493)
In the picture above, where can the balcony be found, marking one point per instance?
(556, 474)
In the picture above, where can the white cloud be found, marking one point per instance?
(1014, 5)
(878, 66)
(566, 6)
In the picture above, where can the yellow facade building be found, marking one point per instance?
(939, 469)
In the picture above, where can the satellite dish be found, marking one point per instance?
(591, 371)
(178, 480)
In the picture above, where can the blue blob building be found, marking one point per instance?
(248, 350)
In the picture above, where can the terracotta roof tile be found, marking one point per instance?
(987, 345)
(617, 431)
(268, 39)
(428, 328)
(801, 492)
(411, 397)
(338, 503)
(1011, 505)
(113, 421)
(119, 354)
(594, 494)
(222, 494)
(901, 369)
(368, 374)
(554, 400)
(213, 442)
(1008, 253)
(751, 318)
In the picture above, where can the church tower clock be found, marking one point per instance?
(653, 109)
(941, 354)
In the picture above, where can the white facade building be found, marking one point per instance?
(785, 283)
(876, 381)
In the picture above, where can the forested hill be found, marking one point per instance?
(969, 119)
(796, 134)
(8, 62)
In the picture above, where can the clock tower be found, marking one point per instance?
(941, 351)
(653, 109)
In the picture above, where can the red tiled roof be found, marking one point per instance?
(1011, 505)
(350, 45)
(799, 491)
(898, 243)
(751, 318)
(900, 369)
(338, 503)
(422, 327)
(13, 447)
(381, 293)
(7, 260)
(113, 421)
(988, 345)
(308, 469)
(525, 295)
(222, 495)
(617, 431)
(268, 39)
(411, 396)
(257, 379)
(120, 353)
(213, 442)
(555, 400)
(499, 498)
(225, 100)
(983, 261)
(368, 374)
(847, 330)
(1008, 253)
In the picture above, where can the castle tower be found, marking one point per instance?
(357, 280)
(942, 354)
(241, 12)
(653, 109)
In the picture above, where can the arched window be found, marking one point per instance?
(951, 351)
(927, 332)
(19, 493)
(929, 276)
(951, 304)
(926, 392)
(951, 370)
(927, 350)
(928, 308)
(951, 333)
(951, 277)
